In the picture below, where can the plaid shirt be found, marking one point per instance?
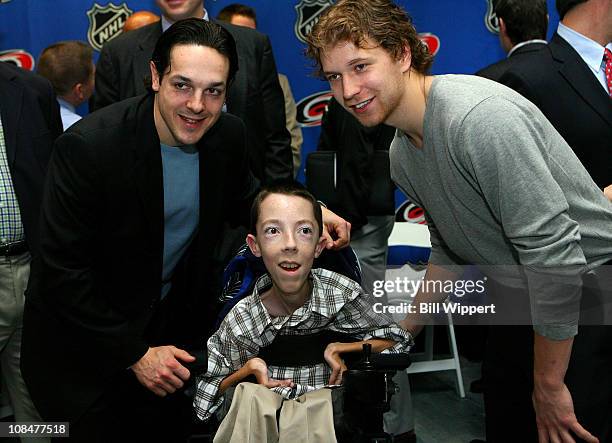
(11, 228)
(336, 303)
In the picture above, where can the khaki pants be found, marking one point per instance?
(14, 274)
(252, 417)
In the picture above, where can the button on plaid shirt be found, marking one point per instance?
(11, 228)
(336, 303)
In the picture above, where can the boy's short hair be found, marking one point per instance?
(285, 187)
(382, 21)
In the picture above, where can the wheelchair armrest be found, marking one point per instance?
(393, 362)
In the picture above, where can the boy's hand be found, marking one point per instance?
(335, 362)
(339, 227)
(257, 367)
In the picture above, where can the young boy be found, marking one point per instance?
(290, 300)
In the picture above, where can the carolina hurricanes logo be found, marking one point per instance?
(310, 109)
(409, 212)
(432, 41)
(106, 23)
(308, 13)
(18, 57)
(491, 21)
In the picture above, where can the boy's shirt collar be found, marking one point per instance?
(325, 299)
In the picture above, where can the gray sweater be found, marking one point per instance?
(500, 186)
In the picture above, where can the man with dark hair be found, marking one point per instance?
(500, 189)
(136, 196)
(29, 123)
(571, 83)
(70, 69)
(255, 95)
(522, 31)
(238, 14)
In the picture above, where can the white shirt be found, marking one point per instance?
(67, 113)
(589, 50)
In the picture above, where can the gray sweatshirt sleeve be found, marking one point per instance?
(509, 152)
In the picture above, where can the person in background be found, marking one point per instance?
(69, 66)
(503, 190)
(571, 83)
(29, 124)
(522, 31)
(243, 15)
(140, 19)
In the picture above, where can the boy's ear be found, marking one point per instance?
(320, 246)
(252, 242)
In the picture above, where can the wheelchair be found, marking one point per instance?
(367, 387)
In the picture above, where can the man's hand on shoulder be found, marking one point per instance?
(257, 367)
(160, 369)
(336, 230)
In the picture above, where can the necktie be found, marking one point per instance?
(608, 61)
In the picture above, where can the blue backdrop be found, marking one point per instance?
(459, 30)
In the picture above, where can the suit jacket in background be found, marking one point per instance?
(93, 293)
(565, 89)
(496, 70)
(355, 145)
(31, 122)
(255, 96)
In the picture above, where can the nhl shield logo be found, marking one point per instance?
(308, 12)
(106, 23)
(491, 21)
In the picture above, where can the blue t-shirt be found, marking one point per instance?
(181, 168)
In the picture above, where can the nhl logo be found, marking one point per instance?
(106, 23)
(491, 21)
(308, 12)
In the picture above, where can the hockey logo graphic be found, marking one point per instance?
(308, 13)
(432, 41)
(18, 57)
(310, 109)
(491, 21)
(106, 23)
(409, 212)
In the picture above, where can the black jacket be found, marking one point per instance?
(355, 146)
(255, 96)
(31, 122)
(94, 290)
(558, 82)
(496, 70)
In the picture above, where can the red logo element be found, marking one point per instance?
(310, 109)
(18, 57)
(432, 41)
(409, 212)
